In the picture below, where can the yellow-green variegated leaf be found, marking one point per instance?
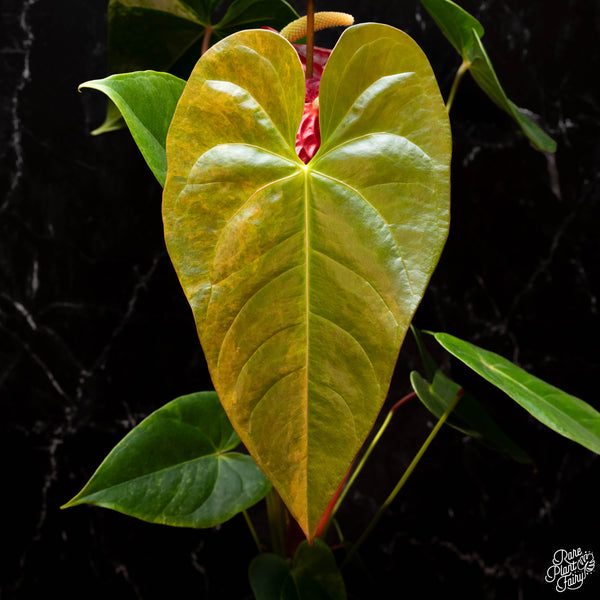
(303, 279)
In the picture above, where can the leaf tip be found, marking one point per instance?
(70, 503)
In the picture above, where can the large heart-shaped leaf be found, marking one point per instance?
(177, 468)
(561, 412)
(147, 101)
(303, 279)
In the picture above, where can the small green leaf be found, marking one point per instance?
(269, 574)
(561, 412)
(177, 468)
(464, 32)
(482, 71)
(313, 576)
(316, 574)
(455, 23)
(147, 101)
(468, 417)
(113, 121)
(437, 391)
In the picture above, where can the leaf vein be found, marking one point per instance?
(359, 343)
(254, 294)
(363, 278)
(387, 225)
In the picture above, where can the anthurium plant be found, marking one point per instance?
(306, 204)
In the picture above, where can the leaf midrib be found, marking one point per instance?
(546, 404)
(307, 313)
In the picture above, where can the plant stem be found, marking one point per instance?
(277, 524)
(310, 36)
(252, 530)
(206, 40)
(338, 530)
(464, 67)
(404, 478)
(366, 455)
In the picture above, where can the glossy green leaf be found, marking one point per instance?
(156, 34)
(469, 417)
(436, 392)
(167, 35)
(482, 71)
(147, 101)
(303, 279)
(113, 121)
(455, 23)
(313, 576)
(177, 468)
(561, 412)
(464, 32)
(150, 34)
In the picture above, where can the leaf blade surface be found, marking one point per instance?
(314, 575)
(146, 100)
(484, 74)
(464, 32)
(303, 278)
(177, 467)
(455, 23)
(561, 412)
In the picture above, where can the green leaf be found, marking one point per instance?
(156, 34)
(177, 468)
(250, 14)
(269, 574)
(468, 417)
(150, 34)
(482, 71)
(313, 576)
(204, 8)
(303, 279)
(437, 391)
(166, 35)
(147, 101)
(561, 412)
(113, 121)
(464, 32)
(455, 23)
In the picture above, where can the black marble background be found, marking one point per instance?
(95, 332)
